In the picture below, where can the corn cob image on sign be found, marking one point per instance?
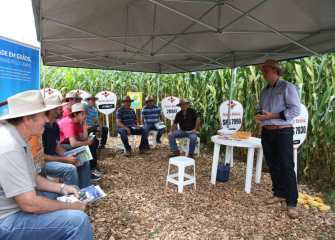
(137, 97)
(300, 126)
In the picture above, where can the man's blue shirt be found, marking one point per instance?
(151, 115)
(91, 112)
(50, 138)
(127, 117)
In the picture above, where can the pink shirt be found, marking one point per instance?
(67, 129)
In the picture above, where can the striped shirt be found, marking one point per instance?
(282, 98)
(187, 122)
(91, 113)
(151, 115)
(127, 117)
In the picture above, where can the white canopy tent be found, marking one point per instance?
(172, 36)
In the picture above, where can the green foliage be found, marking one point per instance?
(314, 77)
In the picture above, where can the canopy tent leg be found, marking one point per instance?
(232, 79)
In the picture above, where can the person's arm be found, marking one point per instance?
(142, 120)
(161, 117)
(75, 143)
(197, 124)
(84, 134)
(30, 202)
(120, 124)
(60, 151)
(172, 129)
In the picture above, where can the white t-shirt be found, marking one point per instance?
(16, 169)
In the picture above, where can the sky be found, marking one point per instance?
(17, 21)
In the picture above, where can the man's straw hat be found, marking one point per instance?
(127, 98)
(148, 98)
(182, 100)
(25, 104)
(90, 97)
(54, 100)
(71, 95)
(271, 63)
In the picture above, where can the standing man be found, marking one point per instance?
(189, 121)
(92, 115)
(150, 115)
(56, 163)
(70, 99)
(278, 104)
(127, 124)
(28, 205)
(73, 133)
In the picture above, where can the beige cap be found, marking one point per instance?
(271, 63)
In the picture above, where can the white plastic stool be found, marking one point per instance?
(121, 146)
(181, 163)
(185, 146)
(153, 142)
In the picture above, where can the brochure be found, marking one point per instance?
(86, 195)
(83, 153)
(159, 125)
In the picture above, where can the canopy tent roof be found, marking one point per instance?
(171, 36)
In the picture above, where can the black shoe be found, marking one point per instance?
(158, 141)
(147, 147)
(94, 177)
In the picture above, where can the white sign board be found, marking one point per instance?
(106, 102)
(300, 126)
(236, 115)
(81, 93)
(48, 92)
(170, 108)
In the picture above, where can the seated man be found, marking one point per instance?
(127, 124)
(92, 115)
(56, 164)
(29, 209)
(150, 115)
(70, 99)
(73, 133)
(189, 121)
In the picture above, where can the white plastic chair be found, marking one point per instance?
(181, 163)
(153, 142)
(121, 146)
(185, 145)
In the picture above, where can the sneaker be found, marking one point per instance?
(191, 155)
(291, 212)
(101, 146)
(273, 200)
(127, 153)
(158, 141)
(174, 154)
(94, 177)
(96, 172)
(101, 172)
(144, 151)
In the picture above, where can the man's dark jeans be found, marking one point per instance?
(104, 133)
(144, 139)
(278, 151)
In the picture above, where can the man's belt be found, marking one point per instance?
(273, 127)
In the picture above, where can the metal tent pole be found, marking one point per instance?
(232, 78)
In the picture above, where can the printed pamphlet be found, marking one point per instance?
(86, 195)
(83, 153)
(160, 125)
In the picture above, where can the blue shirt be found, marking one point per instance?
(151, 115)
(282, 98)
(50, 138)
(127, 117)
(91, 113)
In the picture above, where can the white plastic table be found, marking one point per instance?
(251, 144)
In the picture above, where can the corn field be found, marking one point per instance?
(314, 77)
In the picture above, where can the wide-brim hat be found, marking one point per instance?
(271, 63)
(90, 97)
(77, 107)
(182, 100)
(127, 98)
(54, 101)
(25, 104)
(71, 95)
(148, 98)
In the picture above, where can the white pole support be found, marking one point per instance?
(107, 124)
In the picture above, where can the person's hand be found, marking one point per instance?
(78, 164)
(171, 134)
(78, 206)
(71, 159)
(67, 189)
(257, 118)
(193, 131)
(89, 142)
(128, 131)
(138, 127)
(89, 128)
